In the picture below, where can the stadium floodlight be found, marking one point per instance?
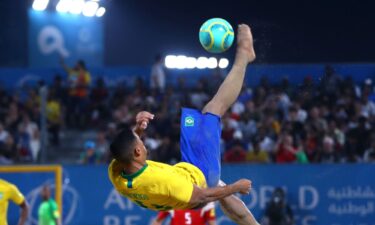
(170, 61)
(181, 62)
(77, 6)
(64, 6)
(191, 63)
(40, 5)
(212, 63)
(100, 12)
(223, 63)
(90, 8)
(202, 63)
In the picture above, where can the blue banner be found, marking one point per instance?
(53, 35)
(318, 194)
(11, 78)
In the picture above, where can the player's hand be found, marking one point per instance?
(142, 119)
(243, 186)
(245, 43)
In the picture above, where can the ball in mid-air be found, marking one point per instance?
(216, 35)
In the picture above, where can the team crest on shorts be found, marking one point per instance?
(189, 121)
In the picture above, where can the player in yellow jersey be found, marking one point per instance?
(193, 182)
(9, 192)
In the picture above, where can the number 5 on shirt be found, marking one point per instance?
(187, 218)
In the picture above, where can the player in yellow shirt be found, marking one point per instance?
(193, 182)
(9, 192)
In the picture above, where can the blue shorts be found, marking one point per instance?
(200, 143)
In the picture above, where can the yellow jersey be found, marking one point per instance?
(8, 192)
(158, 186)
(53, 112)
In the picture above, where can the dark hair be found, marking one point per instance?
(122, 145)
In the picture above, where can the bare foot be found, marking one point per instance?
(245, 48)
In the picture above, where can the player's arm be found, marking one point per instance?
(17, 197)
(160, 218)
(24, 212)
(201, 197)
(63, 65)
(142, 119)
(56, 213)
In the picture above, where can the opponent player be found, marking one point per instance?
(203, 216)
(163, 187)
(9, 192)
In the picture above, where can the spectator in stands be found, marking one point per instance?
(369, 155)
(4, 103)
(248, 126)
(111, 131)
(30, 130)
(256, 154)
(311, 143)
(157, 78)
(284, 149)
(361, 133)
(278, 211)
(167, 151)
(330, 83)
(198, 96)
(236, 151)
(296, 120)
(229, 126)
(4, 135)
(12, 118)
(58, 89)
(122, 115)
(79, 80)
(90, 155)
(309, 113)
(327, 153)
(265, 141)
(102, 146)
(99, 95)
(32, 100)
(368, 107)
(23, 140)
(6, 146)
(315, 120)
(54, 119)
(336, 133)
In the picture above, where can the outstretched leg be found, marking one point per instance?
(231, 86)
(201, 130)
(236, 210)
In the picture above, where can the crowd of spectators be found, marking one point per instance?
(330, 121)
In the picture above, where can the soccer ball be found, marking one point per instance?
(216, 35)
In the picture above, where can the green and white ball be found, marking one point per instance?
(216, 35)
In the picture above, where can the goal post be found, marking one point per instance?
(55, 169)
